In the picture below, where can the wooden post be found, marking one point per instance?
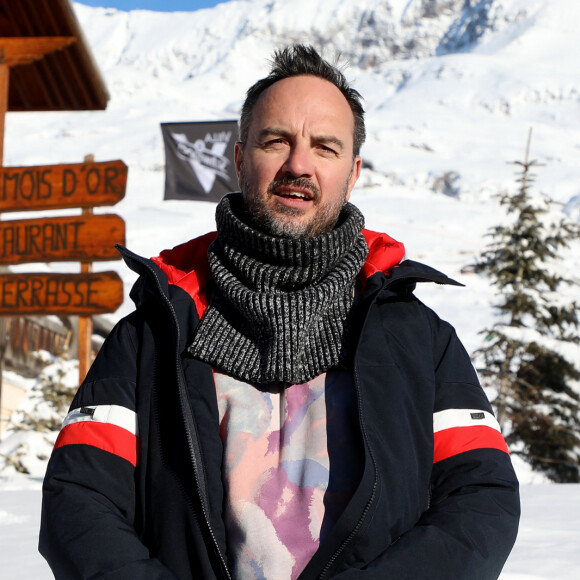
(4, 84)
(85, 322)
(85, 326)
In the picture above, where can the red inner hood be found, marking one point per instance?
(186, 265)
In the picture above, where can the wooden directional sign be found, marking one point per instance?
(40, 294)
(61, 239)
(62, 186)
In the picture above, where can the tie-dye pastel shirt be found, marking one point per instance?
(281, 495)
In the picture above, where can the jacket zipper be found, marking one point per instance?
(191, 445)
(366, 509)
(187, 420)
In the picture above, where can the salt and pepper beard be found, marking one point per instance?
(271, 222)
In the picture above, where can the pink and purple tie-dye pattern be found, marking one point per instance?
(276, 473)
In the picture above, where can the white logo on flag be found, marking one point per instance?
(205, 156)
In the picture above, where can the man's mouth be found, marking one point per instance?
(293, 194)
(296, 191)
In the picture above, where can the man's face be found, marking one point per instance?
(297, 166)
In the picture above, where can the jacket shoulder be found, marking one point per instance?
(185, 267)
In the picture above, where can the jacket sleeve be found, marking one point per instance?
(471, 524)
(88, 506)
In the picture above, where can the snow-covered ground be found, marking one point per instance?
(448, 94)
(546, 549)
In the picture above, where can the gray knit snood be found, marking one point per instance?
(281, 306)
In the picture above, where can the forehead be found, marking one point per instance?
(303, 103)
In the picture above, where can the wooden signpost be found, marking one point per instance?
(83, 238)
(67, 80)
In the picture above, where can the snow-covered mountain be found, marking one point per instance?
(451, 89)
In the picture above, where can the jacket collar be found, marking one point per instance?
(186, 266)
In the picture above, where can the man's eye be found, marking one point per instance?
(327, 150)
(273, 142)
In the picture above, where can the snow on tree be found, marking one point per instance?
(531, 355)
(33, 429)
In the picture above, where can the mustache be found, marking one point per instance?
(298, 182)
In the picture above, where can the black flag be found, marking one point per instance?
(199, 160)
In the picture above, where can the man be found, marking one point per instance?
(280, 405)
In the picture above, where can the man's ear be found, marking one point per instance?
(238, 158)
(354, 175)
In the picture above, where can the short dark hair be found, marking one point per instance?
(297, 60)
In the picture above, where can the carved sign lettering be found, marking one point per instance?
(62, 186)
(61, 239)
(40, 294)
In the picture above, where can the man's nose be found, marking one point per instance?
(300, 161)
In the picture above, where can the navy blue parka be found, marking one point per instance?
(134, 488)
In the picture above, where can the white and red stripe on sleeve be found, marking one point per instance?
(112, 428)
(460, 430)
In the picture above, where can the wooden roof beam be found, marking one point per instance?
(17, 51)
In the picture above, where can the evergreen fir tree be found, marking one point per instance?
(529, 353)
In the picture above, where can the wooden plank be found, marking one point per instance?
(60, 294)
(62, 186)
(61, 239)
(15, 51)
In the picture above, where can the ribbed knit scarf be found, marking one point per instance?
(281, 306)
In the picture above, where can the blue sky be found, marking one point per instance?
(158, 5)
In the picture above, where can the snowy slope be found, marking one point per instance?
(450, 94)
